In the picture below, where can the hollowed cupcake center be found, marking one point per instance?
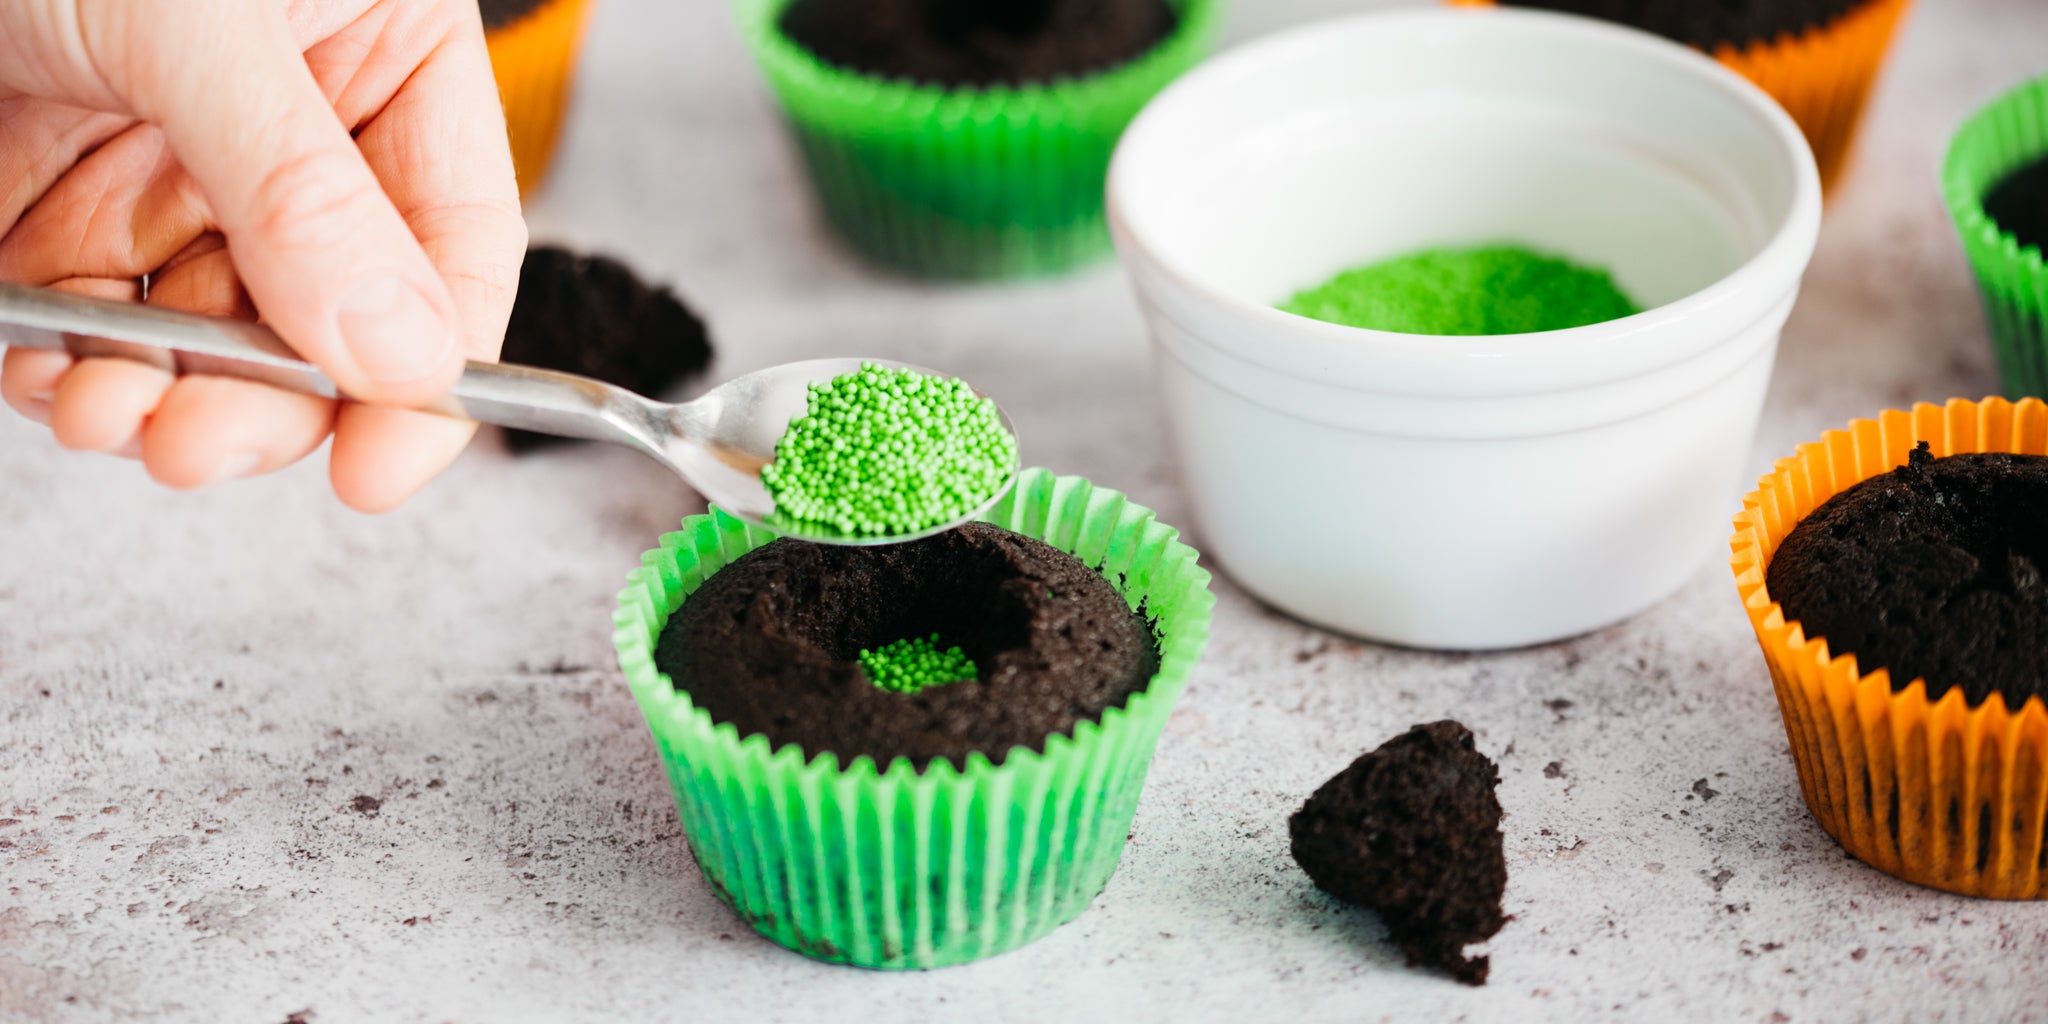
(973, 640)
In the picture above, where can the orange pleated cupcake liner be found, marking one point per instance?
(534, 59)
(1821, 76)
(1934, 792)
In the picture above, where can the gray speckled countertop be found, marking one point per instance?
(260, 756)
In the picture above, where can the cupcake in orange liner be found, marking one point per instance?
(1936, 792)
(534, 44)
(1817, 58)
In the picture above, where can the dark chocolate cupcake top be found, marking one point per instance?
(500, 13)
(977, 42)
(770, 644)
(590, 315)
(2018, 204)
(1933, 571)
(1412, 830)
(1709, 23)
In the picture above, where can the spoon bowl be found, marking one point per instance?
(721, 441)
(717, 443)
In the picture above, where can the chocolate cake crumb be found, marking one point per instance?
(770, 643)
(2018, 204)
(590, 315)
(1412, 830)
(1934, 571)
(1709, 23)
(977, 42)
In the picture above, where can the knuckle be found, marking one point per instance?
(302, 201)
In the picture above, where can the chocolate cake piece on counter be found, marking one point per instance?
(1412, 830)
(590, 315)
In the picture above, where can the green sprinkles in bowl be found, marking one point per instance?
(1488, 289)
(884, 452)
(915, 663)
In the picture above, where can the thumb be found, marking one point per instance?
(326, 258)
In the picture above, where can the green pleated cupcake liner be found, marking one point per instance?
(966, 183)
(889, 867)
(2003, 137)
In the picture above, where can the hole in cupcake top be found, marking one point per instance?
(772, 643)
(977, 42)
(1934, 571)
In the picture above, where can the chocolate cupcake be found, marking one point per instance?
(771, 644)
(1995, 179)
(1894, 575)
(1817, 58)
(921, 826)
(969, 140)
(534, 45)
(1933, 571)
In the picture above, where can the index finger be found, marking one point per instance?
(440, 151)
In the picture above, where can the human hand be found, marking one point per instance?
(207, 144)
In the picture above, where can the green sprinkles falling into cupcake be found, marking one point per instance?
(915, 663)
(885, 452)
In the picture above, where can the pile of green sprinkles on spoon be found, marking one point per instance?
(884, 452)
(915, 663)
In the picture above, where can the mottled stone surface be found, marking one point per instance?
(262, 757)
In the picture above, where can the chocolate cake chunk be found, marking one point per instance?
(500, 13)
(2018, 204)
(770, 643)
(1412, 830)
(1934, 571)
(977, 42)
(1709, 23)
(590, 315)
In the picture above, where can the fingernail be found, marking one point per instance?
(234, 467)
(393, 332)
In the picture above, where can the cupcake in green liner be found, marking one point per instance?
(1996, 181)
(945, 854)
(969, 138)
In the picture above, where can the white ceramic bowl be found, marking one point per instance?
(1463, 493)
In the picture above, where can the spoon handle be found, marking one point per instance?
(506, 395)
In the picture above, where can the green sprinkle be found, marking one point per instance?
(907, 666)
(1494, 289)
(884, 452)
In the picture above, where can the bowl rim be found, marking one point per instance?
(1313, 346)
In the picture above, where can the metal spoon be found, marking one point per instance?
(718, 443)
